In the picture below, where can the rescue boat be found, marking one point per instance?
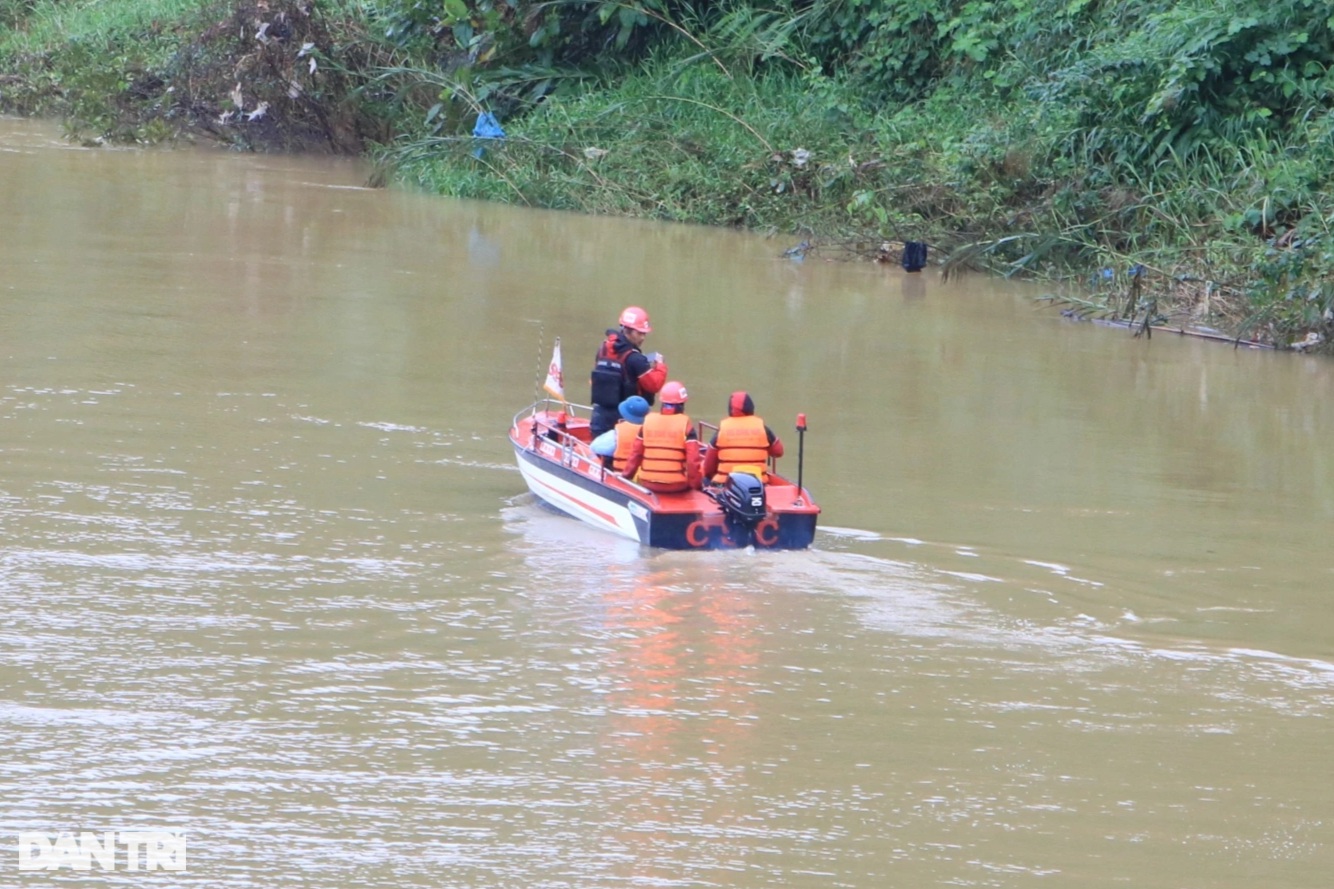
(552, 445)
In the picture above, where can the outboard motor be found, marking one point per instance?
(742, 499)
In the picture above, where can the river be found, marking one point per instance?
(272, 583)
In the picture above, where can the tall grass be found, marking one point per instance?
(677, 143)
(49, 23)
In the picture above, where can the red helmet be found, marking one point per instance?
(674, 393)
(740, 405)
(636, 318)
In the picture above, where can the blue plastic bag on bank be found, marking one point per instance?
(487, 127)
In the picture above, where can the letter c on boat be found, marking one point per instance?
(766, 532)
(697, 534)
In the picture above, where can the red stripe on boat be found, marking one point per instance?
(606, 517)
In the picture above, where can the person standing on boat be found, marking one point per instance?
(622, 369)
(665, 454)
(742, 440)
(614, 445)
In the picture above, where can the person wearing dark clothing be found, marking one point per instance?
(742, 440)
(622, 370)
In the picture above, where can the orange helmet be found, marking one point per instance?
(674, 393)
(636, 318)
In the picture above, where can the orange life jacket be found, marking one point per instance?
(741, 441)
(665, 449)
(625, 442)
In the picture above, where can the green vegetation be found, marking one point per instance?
(1189, 141)
(264, 74)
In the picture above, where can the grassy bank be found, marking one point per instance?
(1158, 162)
(286, 75)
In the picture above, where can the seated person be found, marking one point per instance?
(614, 445)
(664, 456)
(742, 440)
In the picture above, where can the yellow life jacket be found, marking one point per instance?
(664, 449)
(742, 441)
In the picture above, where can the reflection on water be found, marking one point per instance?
(270, 577)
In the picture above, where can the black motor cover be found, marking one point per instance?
(743, 497)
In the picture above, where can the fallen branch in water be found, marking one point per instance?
(1198, 333)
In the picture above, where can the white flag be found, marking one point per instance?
(555, 383)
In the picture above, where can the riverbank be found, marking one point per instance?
(762, 123)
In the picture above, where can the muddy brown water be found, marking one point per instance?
(270, 576)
